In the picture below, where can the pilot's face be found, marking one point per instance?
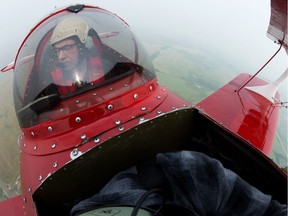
(67, 53)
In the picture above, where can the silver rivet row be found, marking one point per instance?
(96, 140)
(55, 164)
(121, 128)
(75, 152)
(83, 136)
(110, 107)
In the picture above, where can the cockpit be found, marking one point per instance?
(59, 64)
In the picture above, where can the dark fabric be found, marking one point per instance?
(191, 180)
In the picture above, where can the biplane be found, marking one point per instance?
(72, 143)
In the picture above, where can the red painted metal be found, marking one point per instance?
(66, 132)
(41, 166)
(243, 112)
(13, 206)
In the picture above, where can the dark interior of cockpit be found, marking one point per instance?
(185, 129)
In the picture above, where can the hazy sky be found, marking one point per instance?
(234, 30)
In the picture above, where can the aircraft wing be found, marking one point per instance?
(277, 30)
(12, 206)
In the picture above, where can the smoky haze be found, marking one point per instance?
(234, 31)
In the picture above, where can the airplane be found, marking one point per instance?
(73, 142)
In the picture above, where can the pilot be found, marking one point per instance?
(75, 68)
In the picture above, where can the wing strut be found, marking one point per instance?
(269, 91)
(260, 69)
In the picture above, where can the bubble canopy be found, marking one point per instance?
(44, 78)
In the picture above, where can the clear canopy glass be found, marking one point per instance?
(43, 80)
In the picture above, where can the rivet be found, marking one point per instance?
(139, 83)
(151, 88)
(35, 147)
(143, 108)
(159, 112)
(40, 177)
(53, 145)
(118, 122)
(55, 164)
(111, 89)
(29, 190)
(75, 152)
(125, 85)
(110, 107)
(50, 128)
(135, 96)
(142, 119)
(32, 133)
(25, 145)
(83, 136)
(96, 140)
(173, 108)
(78, 119)
(158, 97)
(24, 199)
(94, 94)
(77, 101)
(121, 128)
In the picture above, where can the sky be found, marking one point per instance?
(233, 30)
